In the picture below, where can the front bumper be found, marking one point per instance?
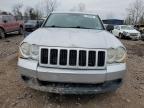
(36, 74)
(132, 37)
(72, 88)
(135, 37)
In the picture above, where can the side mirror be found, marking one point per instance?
(110, 28)
(5, 21)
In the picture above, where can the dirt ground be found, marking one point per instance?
(15, 94)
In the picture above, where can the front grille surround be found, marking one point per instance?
(77, 65)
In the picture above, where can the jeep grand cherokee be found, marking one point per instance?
(72, 53)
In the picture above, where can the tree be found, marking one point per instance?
(141, 20)
(81, 7)
(135, 12)
(5, 13)
(51, 5)
(17, 11)
(38, 11)
(33, 13)
(26, 15)
(128, 20)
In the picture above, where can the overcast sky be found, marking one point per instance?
(105, 8)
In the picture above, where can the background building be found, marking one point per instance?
(113, 21)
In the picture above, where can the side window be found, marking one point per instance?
(8, 18)
(116, 27)
(5, 18)
(11, 18)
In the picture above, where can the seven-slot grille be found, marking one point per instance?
(74, 58)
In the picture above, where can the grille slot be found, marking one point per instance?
(92, 58)
(63, 57)
(44, 56)
(82, 58)
(101, 58)
(53, 56)
(73, 58)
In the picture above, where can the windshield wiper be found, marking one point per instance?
(80, 27)
(85, 28)
(54, 26)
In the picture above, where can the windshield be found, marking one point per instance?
(127, 28)
(82, 21)
(31, 22)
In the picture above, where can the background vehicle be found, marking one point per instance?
(126, 31)
(9, 24)
(72, 53)
(142, 36)
(32, 25)
(140, 28)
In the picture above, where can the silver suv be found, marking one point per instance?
(72, 53)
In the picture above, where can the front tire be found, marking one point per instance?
(21, 31)
(120, 36)
(2, 34)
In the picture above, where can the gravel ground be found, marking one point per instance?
(14, 93)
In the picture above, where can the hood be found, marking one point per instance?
(74, 38)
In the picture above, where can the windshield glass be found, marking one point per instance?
(31, 22)
(127, 28)
(82, 21)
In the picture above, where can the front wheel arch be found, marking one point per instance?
(120, 35)
(4, 34)
(21, 30)
(2, 29)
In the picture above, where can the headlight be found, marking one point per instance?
(120, 54)
(117, 55)
(25, 50)
(111, 54)
(29, 51)
(126, 33)
(35, 52)
(139, 34)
